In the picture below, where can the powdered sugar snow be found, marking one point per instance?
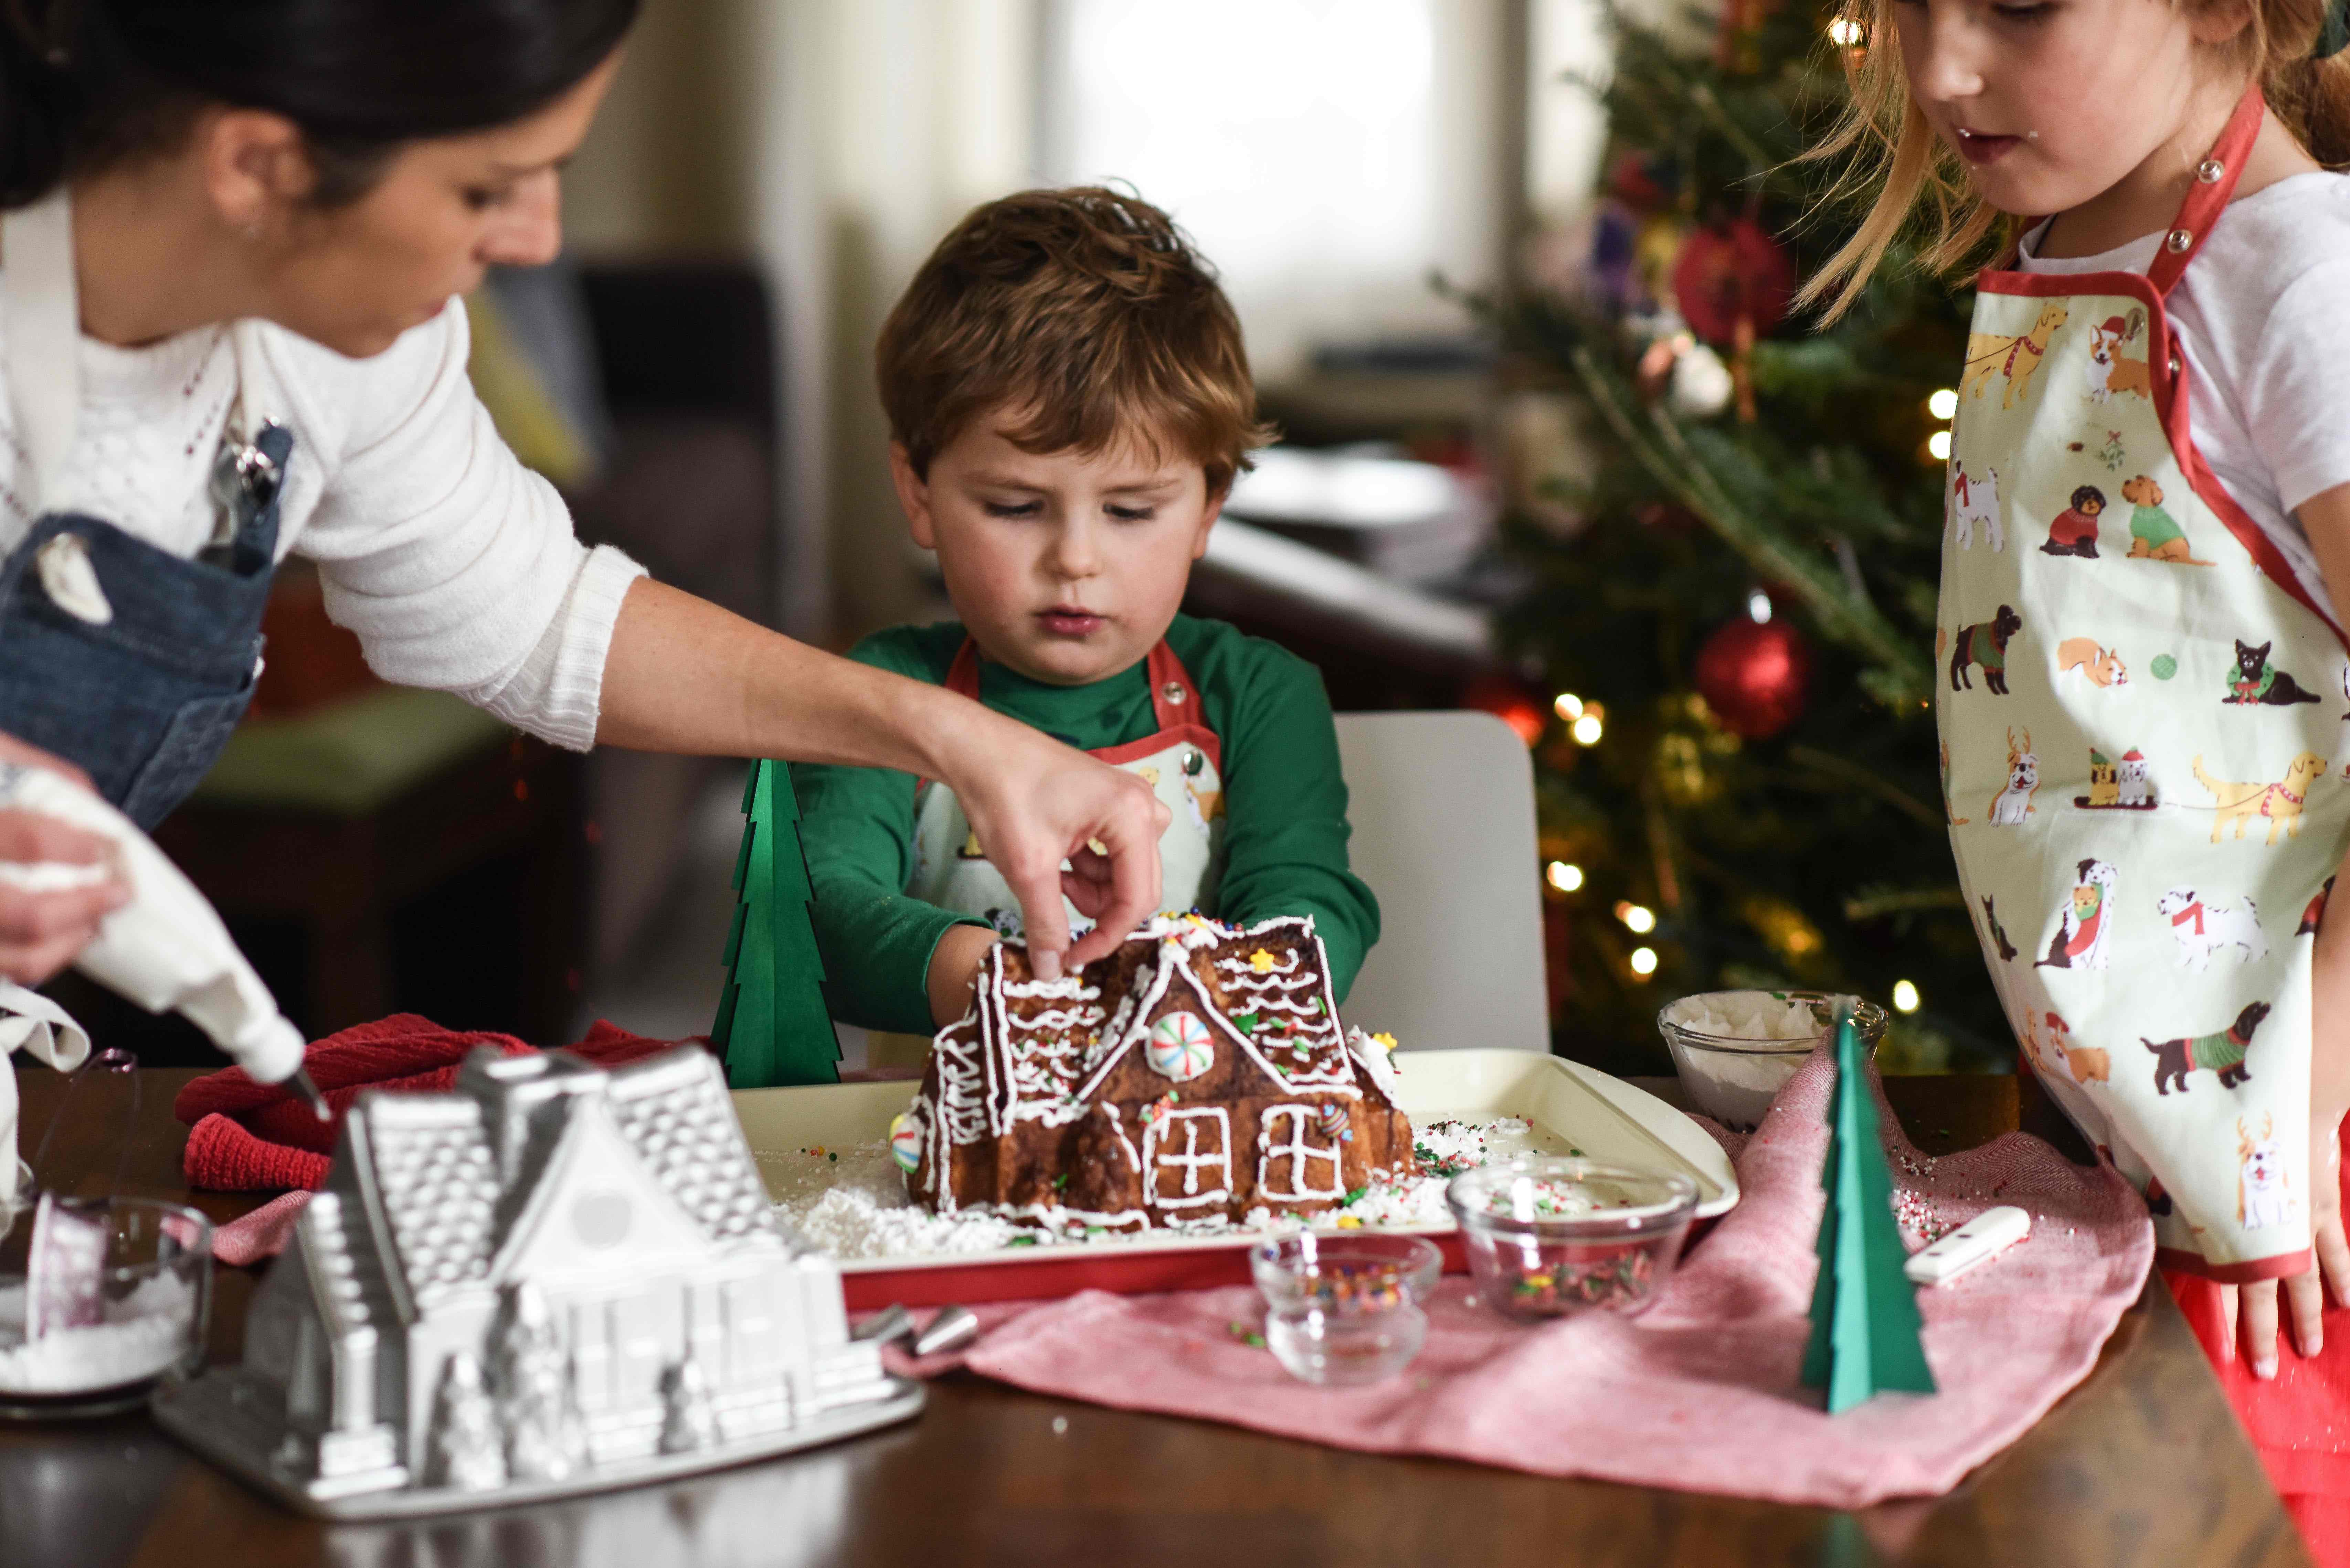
(851, 1203)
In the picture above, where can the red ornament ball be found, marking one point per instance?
(1511, 701)
(1755, 677)
(1730, 270)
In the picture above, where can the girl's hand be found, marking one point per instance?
(41, 933)
(2256, 1304)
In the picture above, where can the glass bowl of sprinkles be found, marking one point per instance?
(1344, 1310)
(1547, 1235)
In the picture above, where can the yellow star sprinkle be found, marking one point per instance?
(1261, 962)
(1384, 1041)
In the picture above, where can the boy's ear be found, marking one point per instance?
(1215, 509)
(913, 496)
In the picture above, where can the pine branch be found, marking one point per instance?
(1682, 474)
(1876, 904)
(1858, 777)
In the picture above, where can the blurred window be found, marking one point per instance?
(1327, 154)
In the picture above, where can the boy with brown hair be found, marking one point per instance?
(1069, 402)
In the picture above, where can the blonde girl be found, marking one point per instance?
(2168, 321)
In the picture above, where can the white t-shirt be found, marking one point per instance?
(2263, 315)
(454, 563)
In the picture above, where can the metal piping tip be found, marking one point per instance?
(301, 1084)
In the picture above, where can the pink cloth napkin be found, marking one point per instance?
(1699, 1394)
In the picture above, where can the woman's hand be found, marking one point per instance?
(1035, 804)
(685, 676)
(41, 933)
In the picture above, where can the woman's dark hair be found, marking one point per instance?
(86, 84)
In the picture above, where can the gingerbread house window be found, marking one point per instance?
(1189, 1154)
(1301, 1161)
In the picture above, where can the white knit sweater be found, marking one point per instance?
(454, 563)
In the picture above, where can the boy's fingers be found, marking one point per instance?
(2228, 1322)
(2259, 1304)
(2306, 1296)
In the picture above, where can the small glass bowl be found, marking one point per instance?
(1344, 1310)
(1734, 1080)
(1548, 1235)
(154, 1302)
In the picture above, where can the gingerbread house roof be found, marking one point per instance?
(1035, 1049)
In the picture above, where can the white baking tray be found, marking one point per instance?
(1570, 1107)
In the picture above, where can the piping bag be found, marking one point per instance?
(166, 950)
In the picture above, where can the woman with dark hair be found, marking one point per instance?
(235, 236)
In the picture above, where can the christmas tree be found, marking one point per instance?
(1865, 1324)
(773, 1025)
(1727, 633)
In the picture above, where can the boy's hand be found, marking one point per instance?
(1035, 803)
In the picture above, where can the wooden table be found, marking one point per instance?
(2143, 1464)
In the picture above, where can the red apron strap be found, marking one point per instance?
(2206, 198)
(1174, 696)
(962, 675)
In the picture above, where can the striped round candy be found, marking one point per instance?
(1181, 1047)
(905, 1142)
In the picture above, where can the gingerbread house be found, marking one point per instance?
(1196, 1078)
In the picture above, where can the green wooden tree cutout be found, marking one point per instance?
(773, 1025)
(1864, 1310)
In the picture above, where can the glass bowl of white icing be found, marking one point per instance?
(1735, 1050)
(1549, 1235)
(120, 1306)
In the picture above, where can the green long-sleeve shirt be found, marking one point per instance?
(1284, 802)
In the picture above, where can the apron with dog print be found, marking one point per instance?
(2134, 752)
(1181, 762)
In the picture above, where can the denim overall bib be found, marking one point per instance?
(117, 656)
(2134, 748)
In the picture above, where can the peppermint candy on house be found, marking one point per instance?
(1179, 1047)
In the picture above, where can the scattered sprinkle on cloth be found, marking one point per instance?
(1701, 1394)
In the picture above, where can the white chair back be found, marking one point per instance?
(1443, 811)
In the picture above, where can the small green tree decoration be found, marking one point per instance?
(1864, 1310)
(774, 1026)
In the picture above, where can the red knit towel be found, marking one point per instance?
(249, 1137)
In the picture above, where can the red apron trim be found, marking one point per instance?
(2180, 1260)
(1175, 706)
(2206, 200)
